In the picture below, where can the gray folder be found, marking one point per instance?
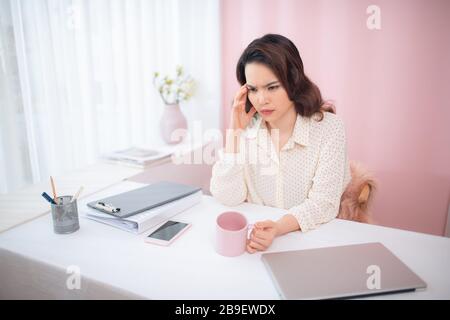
(135, 201)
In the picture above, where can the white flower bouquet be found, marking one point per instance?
(177, 89)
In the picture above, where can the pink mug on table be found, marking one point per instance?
(232, 230)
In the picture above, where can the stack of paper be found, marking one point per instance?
(143, 157)
(140, 157)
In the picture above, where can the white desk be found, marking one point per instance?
(117, 264)
(26, 204)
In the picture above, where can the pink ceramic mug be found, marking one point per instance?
(232, 231)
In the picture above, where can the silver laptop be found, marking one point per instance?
(339, 272)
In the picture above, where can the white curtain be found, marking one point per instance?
(76, 78)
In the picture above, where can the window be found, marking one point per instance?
(76, 78)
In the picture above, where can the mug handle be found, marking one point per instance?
(250, 229)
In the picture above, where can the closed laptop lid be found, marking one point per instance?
(339, 272)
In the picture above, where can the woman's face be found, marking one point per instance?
(266, 93)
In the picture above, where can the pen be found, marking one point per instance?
(75, 197)
(106, 207)
(48, 198)
(55, 198)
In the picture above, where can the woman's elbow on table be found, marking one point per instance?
(231, 197)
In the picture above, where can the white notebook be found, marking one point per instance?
(140, 156)
(140, 222)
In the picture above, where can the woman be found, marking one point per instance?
(288, 151)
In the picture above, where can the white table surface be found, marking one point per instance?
(26, 204)
(190, 268)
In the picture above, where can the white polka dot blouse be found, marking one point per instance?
(307, 177)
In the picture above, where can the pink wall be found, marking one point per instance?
(391, 87)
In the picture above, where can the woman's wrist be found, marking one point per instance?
(288, 223)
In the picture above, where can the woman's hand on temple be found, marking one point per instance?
(262, 236)
(239, 118)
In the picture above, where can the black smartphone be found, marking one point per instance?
(248, 105)
(167, 233)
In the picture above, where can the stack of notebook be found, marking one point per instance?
(140, 209)
(140, 157)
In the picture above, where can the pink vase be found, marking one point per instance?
(171, 120)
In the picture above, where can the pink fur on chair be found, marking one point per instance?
(357, 197)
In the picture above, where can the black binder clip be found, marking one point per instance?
(106, 207)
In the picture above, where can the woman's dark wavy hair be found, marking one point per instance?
(282, 57)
